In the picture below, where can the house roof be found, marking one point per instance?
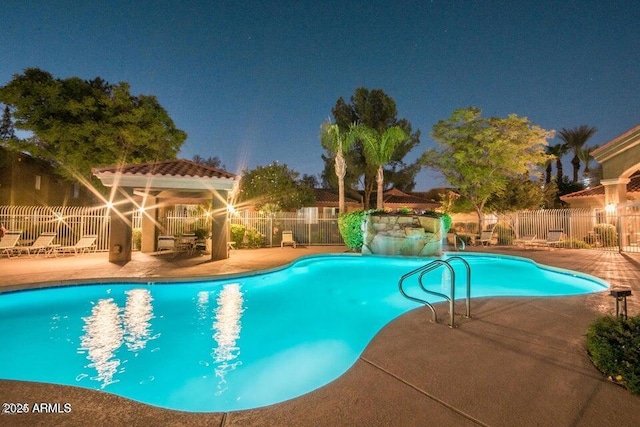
(329, 196)
(397, 197)
(633, 186)
(617, 145)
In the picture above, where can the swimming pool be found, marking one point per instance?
(235, 343)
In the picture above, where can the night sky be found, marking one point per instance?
(251, 82)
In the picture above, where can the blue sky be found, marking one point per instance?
(251, 81)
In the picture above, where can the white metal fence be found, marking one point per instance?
(308, 228)
(583, 228)
(68, 222)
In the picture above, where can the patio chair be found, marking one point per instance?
(287, 239)
(486, 237)
(41, 245)
(166, 243)
(85, 244)
(554, 238)
(186, 242)
(9, 242)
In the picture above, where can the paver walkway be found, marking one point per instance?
(516, 362)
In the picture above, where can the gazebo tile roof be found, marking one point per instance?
(179, 167)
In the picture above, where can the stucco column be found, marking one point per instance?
(615, 190)
(219, 226)
(120, 235)
(149, 221)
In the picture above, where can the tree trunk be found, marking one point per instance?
(559, 172)
(341, 171)
(480, 219)
(547, 179)
(576, 167)
(380, 181)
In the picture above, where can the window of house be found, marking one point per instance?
(76, 190)
(38, 182)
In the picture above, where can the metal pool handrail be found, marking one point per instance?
(430, 267)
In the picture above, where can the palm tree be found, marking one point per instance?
(584, 154)
(337, 142)
(379, 149)
(558, 151)
(575, 139)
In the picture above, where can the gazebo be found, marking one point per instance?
(160, 184)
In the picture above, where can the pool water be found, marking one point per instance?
(239, 343)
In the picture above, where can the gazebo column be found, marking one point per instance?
(219, 226)
(120, 233)
(149, 221)
(615, 190)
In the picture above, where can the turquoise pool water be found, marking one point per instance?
(237, 343)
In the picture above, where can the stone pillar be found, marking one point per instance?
(219, 227)
(120, 235)
(615, 191)
(149, 221)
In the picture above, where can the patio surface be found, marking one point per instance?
(516, 362)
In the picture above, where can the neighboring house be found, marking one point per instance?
(327, 202)
(595, 197)
(29, 181)
(395, 199)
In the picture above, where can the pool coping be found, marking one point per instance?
(379, 391)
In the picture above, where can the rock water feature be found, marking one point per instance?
(402, 234)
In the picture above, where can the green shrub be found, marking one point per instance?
(574, 243)
(350, 226)
(614, 346)
(237, 234)
(253, 238)
(246, 237)
(203, 233)
(607, 234)
(446, 223)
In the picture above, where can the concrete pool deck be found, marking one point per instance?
(517, 361)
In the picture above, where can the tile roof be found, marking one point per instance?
(179, 167)
(397, 197)
(324, 195)
(632, 187)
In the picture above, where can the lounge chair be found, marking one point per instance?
(527, 240)
(9, 242)
(486, 237)
(41, 245)
(287, 239)
(85, 244)
(554, 238)
(166, 243)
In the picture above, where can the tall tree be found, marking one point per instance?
(213, 162)
(479, 156)
(379, 149)
(575, 139)
(557, 151)
(7, 129)
(375, 109)
(274, 185)
(81, 124)
(585, 156)
(337, 143)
